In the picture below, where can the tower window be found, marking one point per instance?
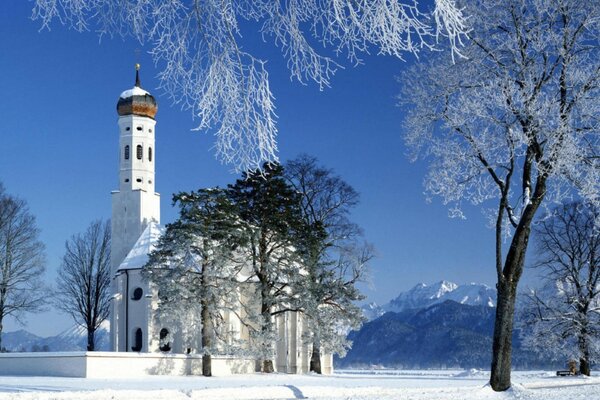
(139, 128)
(137, 342)
(128, 128)
(126, 180)
(150, 130)
(137, 293)
(150, 154)
(139, 180)
(139, 151)
(127, 152)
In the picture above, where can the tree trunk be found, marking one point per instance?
(584, 360)
(267, 366)
(508, 279)
(206, 333)
(90, 339)
(503, 328)
(315, 359)
(206, 365)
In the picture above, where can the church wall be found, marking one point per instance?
(116, 365)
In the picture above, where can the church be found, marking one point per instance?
(135, 322)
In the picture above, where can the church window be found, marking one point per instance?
(137, 341)
(126, 180)
(150, 130)
(150, 154)
(128, 128)
(139, 128)
(164, 340)
(139, 151)
(139, 180)
(127, 152)
(137, 293)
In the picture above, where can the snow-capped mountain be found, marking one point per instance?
(72, 339)
(424, 295)
(446, 334)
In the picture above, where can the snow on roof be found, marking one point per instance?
(135, 91)
(138, 255)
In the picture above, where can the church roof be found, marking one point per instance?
(138, 255)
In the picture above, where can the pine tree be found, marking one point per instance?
(194, 268)
(270, 210)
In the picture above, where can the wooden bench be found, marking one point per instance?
(564, 373)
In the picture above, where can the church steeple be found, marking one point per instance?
(136, 100)
(135, 204)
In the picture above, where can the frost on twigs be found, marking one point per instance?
(198, 45)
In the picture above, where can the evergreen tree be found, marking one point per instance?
(270, 210)
(193, 266)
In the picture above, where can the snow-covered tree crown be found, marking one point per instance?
(205, 69)
(516, 119)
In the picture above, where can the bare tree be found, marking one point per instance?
(512, 126)
(22, 260)
(83, 282)
(565, 315)
(333, 257)
(199, 45)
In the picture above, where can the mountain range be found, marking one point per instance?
(423, 295)
(441, 325)
(73, 339)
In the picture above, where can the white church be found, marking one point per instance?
(135, 324)
(142, 344)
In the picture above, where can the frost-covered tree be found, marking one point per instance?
(22, 260)
(510, 127)
(193, 267)
(331, 256)
(563, 319)
(269, 208)
(83, 281)
(198, 44)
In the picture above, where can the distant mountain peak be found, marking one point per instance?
(424, 295)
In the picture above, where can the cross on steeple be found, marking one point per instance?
(137, 75)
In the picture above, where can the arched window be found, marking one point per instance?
(137, 342)
(164, 343)
(127, 152)
(139, 151)
(137, 293)
(150, 154)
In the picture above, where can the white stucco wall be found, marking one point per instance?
(116, 365)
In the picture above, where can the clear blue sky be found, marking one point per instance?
(59, 147)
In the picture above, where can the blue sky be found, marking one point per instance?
(59, 147)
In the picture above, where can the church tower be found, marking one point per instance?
(135, 219)
(135, 204)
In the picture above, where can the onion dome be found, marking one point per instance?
(136, 100)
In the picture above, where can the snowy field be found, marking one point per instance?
(346, 385)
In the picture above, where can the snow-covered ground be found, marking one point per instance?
(346, 385)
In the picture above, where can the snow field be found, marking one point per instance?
(346, 385)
